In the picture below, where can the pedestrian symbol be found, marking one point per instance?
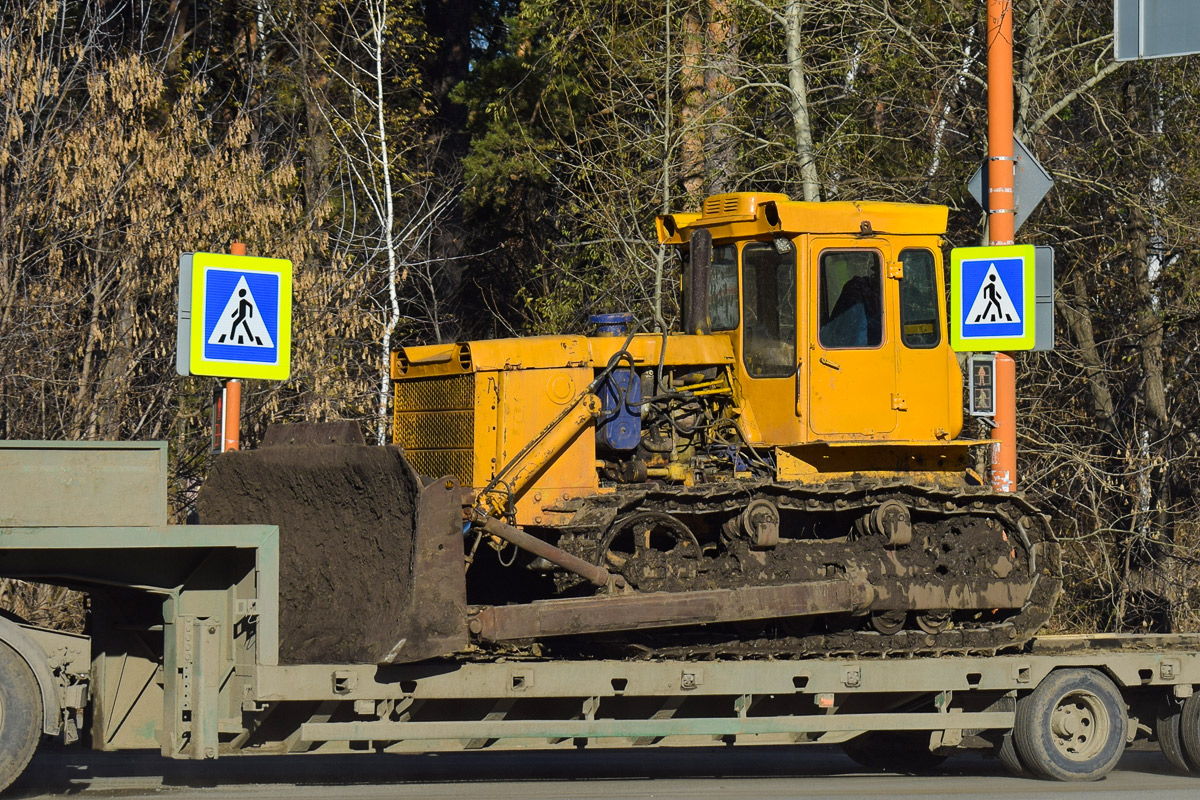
(982, 369)
(992, 298)
(241, 322)
(234, 316)
(992, 303)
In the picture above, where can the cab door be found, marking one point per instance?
(852, 356)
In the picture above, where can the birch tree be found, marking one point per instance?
(389, 207)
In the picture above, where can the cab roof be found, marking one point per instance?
(749, 214)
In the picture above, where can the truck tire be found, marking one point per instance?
(1167, 727)
(1189, 732)
(1007, 753)
(1071, 727)
(20, 715)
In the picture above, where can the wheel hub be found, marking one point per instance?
(1075, 725)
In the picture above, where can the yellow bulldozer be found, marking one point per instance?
(784, 476)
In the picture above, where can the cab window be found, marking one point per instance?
(919, 306)
(723, 289)
(851, 299)
(769, 310)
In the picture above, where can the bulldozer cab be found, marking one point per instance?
(835, 312)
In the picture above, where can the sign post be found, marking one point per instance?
(231, 391)
(1001, 222)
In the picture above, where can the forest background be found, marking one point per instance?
(450, 169)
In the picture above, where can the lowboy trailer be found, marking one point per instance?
(182, 655)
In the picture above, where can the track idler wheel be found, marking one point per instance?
(888, 622)
(760, 523)
(934, 622)
(647, 547)
(890, 519)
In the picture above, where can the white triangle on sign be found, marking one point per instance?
(992, 303)
(241, 322)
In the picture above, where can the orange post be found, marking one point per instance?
(1000, 122)
(1001, 223)
(233, 390)
(233, 414)
(1004, 451)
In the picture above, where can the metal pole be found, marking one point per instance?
(233, 390)
(1004, 452)
(1000, 122)
(1001, 223)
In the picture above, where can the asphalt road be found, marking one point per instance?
(738, 773)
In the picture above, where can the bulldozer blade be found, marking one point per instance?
(304, 433)
(436, 616)
(371, 562)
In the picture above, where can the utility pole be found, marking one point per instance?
(1001, 223)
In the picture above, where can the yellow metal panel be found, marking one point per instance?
(675, 228)
(823, 460)
(487, 429)
(790, 468)
(741, 216)
(529, 401)
(884, 218)
(433, 420)
(768, 408)
(682, 350)
(929, 379)
(535, 352)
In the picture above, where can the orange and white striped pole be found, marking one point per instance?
(1002, 223)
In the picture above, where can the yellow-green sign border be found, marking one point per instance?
(963, 344)
(197, 364)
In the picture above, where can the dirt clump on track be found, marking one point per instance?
(346, 517)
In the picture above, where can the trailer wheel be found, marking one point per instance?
(1189, 731)
(894, 751)
(1007, 753)
(20, 715)
(1170, 736)
(1071, 727)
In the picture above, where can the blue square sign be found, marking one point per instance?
(234, 316)
(241, 316)
(992, 298)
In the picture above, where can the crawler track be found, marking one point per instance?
(970, 543)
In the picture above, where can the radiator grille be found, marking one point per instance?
(434, 421)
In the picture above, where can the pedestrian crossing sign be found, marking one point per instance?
(234, 316)
(992, 298)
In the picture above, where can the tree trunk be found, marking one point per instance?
(721, 139)
(314, 47)
(691, 84)
(1074, 307)
(794, 16)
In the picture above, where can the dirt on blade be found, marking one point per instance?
(346, 517)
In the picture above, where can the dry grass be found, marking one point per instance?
(42, 604)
